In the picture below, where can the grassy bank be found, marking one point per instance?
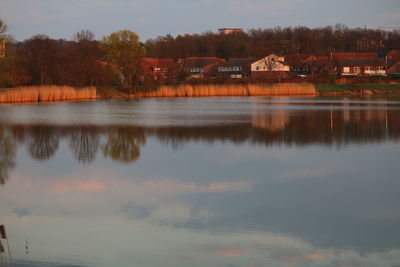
(204, 90)
(354, 88)
(46, 93)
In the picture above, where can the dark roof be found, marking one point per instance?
(237, 62)
(198, 62)
(361, 62)
(297, 59)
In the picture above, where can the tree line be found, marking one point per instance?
(285, 41)
(116, 59)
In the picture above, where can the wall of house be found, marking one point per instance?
(261, 65)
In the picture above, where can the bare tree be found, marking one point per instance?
(271, 63)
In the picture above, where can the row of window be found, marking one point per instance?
(232, 68)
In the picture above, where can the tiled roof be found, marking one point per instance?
(297, 59)
(393, 55)
(395, 69)
(237, 62)
(197, 62)
(340, 56)
(361, 62)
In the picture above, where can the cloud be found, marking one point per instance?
(20, 212)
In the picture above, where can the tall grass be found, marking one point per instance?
(196, 90)
(46, 93)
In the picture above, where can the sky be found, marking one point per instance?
(152, 18)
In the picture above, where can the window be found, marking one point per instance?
(257, 68)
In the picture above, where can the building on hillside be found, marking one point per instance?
(2, 49)
(230, 30)
(235, 68)
(346, 55)
(158, 69)
(271, 66)
(361, 67)
(197, 67)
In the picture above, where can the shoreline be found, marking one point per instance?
(36, 94)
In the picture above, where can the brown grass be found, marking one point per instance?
(46, 93)
(187, 90)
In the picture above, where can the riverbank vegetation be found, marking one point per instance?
(46, 93)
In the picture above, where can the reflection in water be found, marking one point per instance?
(43, 142)
(259, 187)
(123, 144)
(330, 127)
(84, 143)
(7, 155)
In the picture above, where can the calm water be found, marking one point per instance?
(202, 182)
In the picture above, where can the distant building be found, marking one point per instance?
(235, 68)
(392, 58)
(270, 66)
(197, 67)
(230, 30)
(158, 69)
(361, 67)
(394, 70)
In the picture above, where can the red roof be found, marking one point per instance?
(395, 69)
(339, 56)
(299, 58)
(393, 55)
(197, 62)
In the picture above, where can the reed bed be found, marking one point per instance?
(46, 93)
(201, 90)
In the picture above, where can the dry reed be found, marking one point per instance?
(198, 90)
(46, 93)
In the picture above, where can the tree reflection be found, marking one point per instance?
(7, 156)
(43, 142)
(124, 144)
(84, 144)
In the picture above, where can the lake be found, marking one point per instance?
(281, 181)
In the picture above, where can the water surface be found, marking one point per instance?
(202, 182)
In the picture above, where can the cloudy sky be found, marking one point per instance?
(151, 18)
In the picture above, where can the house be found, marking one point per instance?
(197, 67)
(270, 66)
(235, 68)
(361, 67)
(158, 69)
(230, 30)
(300, 63)
(392, 58)
(394, 70)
